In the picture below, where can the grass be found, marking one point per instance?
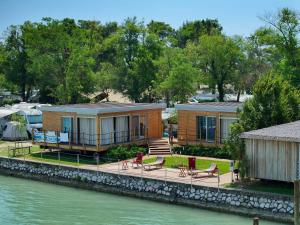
(275, 187)
(175, 161)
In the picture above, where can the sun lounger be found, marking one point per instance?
(210, 171)
(158, 164)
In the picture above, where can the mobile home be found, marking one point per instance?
(96, 127)
(205, 123)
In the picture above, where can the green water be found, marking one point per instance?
(30, 202)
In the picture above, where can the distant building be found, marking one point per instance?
(273, 152)
(205, 123)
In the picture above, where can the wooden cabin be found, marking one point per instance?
(273, 152)
(96, 127)
(205, 123)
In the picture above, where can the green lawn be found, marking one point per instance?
(265, 186)
(175, 161)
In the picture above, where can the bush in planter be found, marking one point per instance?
(124, 152)
(200, 150)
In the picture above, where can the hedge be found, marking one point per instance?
(200, 150)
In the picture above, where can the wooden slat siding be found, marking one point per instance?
(52, 120)
(154, 117)
(269, 163)
(187, 124)
(273, 160)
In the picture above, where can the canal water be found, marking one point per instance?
(31, 202)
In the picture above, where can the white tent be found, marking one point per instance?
(14, 131)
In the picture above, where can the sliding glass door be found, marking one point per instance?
(225, 123)
(114, 130)
(121, 129)
(107, 131)
(87, 131)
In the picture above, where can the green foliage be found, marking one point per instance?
(122, 152)
(216, 56)
(173, 118)
(199, 150)
(191, 31)
(280, 38)
(274, 102)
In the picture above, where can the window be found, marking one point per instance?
(206, 128)
(34, 119)
(67, 126)
(225, 123)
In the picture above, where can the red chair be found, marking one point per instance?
(192, 163)
(138, 160)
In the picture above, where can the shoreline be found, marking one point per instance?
(167, 192)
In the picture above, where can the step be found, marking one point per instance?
(160, 153)
(159, 148)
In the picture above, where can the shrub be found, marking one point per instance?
(124, 152)
(200, 150)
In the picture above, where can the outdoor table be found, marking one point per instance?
(182, 171)
(125, 165)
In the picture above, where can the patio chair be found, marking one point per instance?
(158, 164)
(138, 160)
(211, 170)
(191, 165)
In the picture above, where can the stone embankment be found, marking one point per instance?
(268, 206)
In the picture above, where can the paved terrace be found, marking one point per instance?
(166, 174)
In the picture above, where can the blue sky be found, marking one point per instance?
(236, 16)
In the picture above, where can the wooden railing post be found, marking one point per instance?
(255, 221)
(44, 138)
(32, 135)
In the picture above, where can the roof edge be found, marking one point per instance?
(96, 111)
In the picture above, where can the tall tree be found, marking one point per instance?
(282, 33)
(216, 56)
(191, 31)
(60, 54)
(139, 50)
(16, 58)
(274, 102)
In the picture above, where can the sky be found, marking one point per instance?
(238, 17)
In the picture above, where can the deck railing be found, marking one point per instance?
(83, 139)
(189, 136)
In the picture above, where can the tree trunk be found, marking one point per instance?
(238, 96)
(221, 92)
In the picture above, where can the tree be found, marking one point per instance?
(138, 52)
(282, 33)
(216, 56)
(176, 77)
(161, 29)
(16, 58)
(191, 31)
(251, 65)
(274, 102)
(61, 56)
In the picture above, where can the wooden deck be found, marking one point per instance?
(81, 147)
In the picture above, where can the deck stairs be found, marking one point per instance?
(159, 147)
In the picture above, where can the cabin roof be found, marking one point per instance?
(97, 108)
(285, 132)
(211, 106)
